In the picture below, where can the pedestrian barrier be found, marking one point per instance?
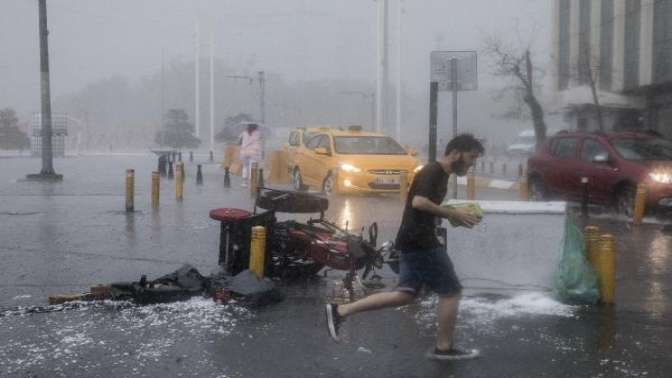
(227, 177)
(471, 186)
(403, 187)
(155, 189)
(277, 167)
(254, 172)
(258, 250)
(130, 190)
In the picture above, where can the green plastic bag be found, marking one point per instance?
(472, 208)
(575, 281)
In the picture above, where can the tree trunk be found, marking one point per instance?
(531, 101)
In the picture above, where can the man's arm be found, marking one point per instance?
(424, 204)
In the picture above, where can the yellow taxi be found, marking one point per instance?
(347, 160)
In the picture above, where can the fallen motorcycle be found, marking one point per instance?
(294, 248)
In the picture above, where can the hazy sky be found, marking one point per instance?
(298, 39)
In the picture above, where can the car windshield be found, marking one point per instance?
(643, 148)
(368, 145)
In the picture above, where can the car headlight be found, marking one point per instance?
(418, 168)
(349, 168)
(661, 177)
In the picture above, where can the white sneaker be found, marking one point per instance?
(452, 354)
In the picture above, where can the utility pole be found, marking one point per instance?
(262, 100)
(381, 64)
(47, 173)
(163, 103)
(398, 123)
(212, 88)
(197, 84)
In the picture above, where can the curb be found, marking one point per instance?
(490, 183)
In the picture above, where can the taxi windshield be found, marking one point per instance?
(367, 145)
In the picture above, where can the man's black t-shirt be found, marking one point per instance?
(418, 228)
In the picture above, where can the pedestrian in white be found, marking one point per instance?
(250, 149)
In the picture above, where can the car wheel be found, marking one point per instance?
(537, 190)
(329, 184)
(297, 181)
(625, 200)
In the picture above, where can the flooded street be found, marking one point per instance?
(66, 237)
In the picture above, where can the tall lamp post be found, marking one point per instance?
(47, 173)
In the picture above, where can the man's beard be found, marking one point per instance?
(459, 167)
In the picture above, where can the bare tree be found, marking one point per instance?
(517, 65)
(589, 70)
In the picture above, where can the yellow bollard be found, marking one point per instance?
(258, 250)
(606, 268)
(591, 235)
(403, 186)
(155, 190)
(130, 189)
(254, 179)
(471, 186)
(524, 187)
(640, 205)
(179, 184)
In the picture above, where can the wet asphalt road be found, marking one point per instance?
(66, 237)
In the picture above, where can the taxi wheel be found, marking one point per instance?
(329, 184)
(297, 181)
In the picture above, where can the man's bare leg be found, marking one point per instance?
(447, 313)
(376, 301)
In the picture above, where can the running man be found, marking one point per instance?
(423, 261)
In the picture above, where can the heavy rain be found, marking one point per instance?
(388, 188)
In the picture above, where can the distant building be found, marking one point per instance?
(59, 129)
(625, 47)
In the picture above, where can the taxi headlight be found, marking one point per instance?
(418, 168)
(349, 168)
(661, 177)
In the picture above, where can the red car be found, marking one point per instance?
(614, 164)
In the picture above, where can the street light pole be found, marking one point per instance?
(262, 94)
(197, 84)
(47, 172)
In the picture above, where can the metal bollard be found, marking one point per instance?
(227, 177)
(606, 268)
(640, 205)
(260, 178)
(170, 170)
(254, 171)
(524, 187)
(591, 235)
(179, 184)
(199, 175)
(155, 189)
(130, 190)
(258, 250)
(471, 186)
(184, 175)
(403, 187)
(191, 156)
(212, 157)
(162, 165)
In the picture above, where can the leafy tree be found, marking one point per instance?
(177, 131)
(11, 137)
(231, 129)
(517, 65)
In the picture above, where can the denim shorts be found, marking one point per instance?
(430, 267)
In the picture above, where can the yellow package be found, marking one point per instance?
(471, 207)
